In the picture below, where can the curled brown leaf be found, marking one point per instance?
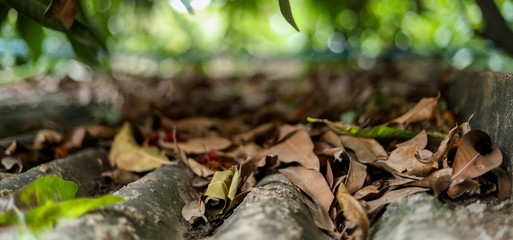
(475, 156)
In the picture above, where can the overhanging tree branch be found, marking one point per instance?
(496, 28)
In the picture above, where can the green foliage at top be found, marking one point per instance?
(50, 199)
(156, 36)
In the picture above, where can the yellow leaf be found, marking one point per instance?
(126, 154)
(221, 190)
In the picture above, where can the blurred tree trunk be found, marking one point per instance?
(496, 28)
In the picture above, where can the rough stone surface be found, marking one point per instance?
(153, 211)
(271, 211)
(83, 168)
(421, 216)
(489, 96)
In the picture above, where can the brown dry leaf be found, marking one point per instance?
(46, 137)
(194, 209)
(312, 183)
(354, 213)
(368, 192)
(421, 141)
(321, 218)
(444, 147)
(243, 151)
(202, 125)
(238, 198)
(126, 154)
(64, 10)
(200, 145)
(367, 150)
(425, 109)
(253, 133)
(331, 138)
(475, 156)
(460, 186)
(81, 134)
(404, 160)
(439, 181)
(298, 148)
(330, 179)
(356, 176)
(12, 163)
(287, 130)
(13, 148)
(392, 196)
(198, 169)
(503, 182)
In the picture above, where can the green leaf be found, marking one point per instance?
(287, 13)
(83, 37)
(47, 215)
(375, 132)
(49, 188)
(33, 35)
(187, 4)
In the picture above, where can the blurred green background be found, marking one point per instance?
(159, 37)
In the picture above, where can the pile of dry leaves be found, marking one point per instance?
(345, 172)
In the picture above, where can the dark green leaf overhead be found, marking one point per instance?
(287, 13)
(33, 35)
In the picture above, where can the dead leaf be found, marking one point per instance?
(238, 199)
(404, 160)
(392, 196)
(356, 176)
(503, 182)
(194, 209)
(243, 151)
(444, 147)
(367, 150)
(298, 148)
(46, 137)
(82, 134)
(331, 138)
(200, 182)
(475, 156)
(200, 145)
(286, 130)
(368, 192)
(460, 186)
(12, 163)
(13, 148)
(126, 154)
(64, 10)
(221, 190)
(354, 213)
(312, 183)
(198, 169)
(329, 175)
(253, 133)
(200, 126)
(321, 218)
(439, 181)
(425, 109)
(421, 141)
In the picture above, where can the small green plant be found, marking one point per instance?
(46, 201)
